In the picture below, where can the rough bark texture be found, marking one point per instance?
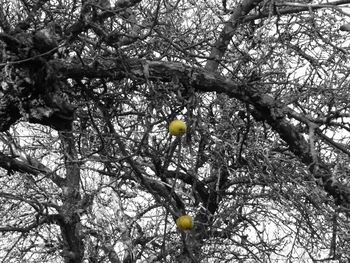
(71, 225)
(266, 107)
(40, 94)
(220, 46)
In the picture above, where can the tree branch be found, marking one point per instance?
(296, 8)
(11, 164)
(266, 108)
(227, 33)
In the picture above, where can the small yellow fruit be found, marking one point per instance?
(184, 222)
(177, 128)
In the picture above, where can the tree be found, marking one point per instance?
(90, 173)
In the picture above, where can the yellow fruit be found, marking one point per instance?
(184, 222)
(177, 128)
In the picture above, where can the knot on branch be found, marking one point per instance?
(28, 47)
(45, 40)
(36, 93)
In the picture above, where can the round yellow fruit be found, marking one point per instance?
(184, 222)
(177, 128)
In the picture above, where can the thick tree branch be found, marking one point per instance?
(48, 219)
(240, 15)
(9, 112)
(227, 33)
(266, 108)
(73, 249)
(281, 9)
(12, 164)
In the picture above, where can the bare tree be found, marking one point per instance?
(90, 172)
